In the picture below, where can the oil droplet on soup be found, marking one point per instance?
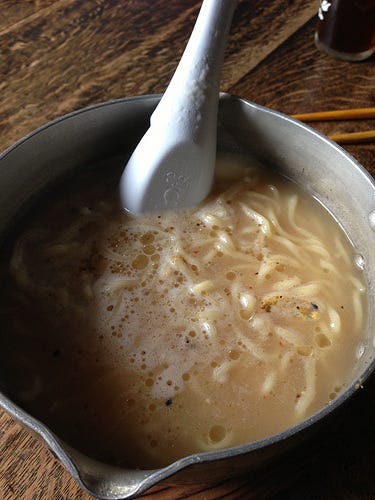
(142, 340)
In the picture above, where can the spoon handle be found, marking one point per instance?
(198, 73)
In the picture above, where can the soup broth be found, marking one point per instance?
(140, 340)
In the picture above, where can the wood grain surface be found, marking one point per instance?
(57, 56)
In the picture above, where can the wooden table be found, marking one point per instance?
(61, 55)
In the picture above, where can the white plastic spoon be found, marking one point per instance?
(173, 164)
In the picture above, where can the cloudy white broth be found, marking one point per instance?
(140, 340)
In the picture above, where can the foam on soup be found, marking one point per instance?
(140, 340)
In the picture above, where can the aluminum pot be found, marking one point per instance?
(297, 151)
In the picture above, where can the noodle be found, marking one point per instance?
(308, 394)
(181, 332)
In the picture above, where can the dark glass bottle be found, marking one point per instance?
(346, 29)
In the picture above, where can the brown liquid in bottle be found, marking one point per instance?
(346, 28)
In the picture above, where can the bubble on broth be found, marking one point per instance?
(359, 261)
(181, 332)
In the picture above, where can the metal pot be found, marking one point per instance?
(297, 151)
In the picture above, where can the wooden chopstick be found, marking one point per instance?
(342, 114)
(354, 137)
